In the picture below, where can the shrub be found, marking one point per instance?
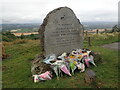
(115, 29)
(8, 36)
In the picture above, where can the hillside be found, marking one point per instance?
(17, 67)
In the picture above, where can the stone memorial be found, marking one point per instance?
(61, 31)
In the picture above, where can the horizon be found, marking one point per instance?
(80, 22)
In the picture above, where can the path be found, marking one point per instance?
(112, 46)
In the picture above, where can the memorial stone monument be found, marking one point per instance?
(61, 31)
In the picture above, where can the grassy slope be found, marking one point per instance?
(17, 73)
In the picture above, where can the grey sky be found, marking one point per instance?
(34, 11)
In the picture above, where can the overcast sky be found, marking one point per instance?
(34, 11)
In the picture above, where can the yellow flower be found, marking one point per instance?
(72, 56)
(75, 62)
(79, 56)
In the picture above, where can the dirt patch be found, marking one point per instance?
(114, 46)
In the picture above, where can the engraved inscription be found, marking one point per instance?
(65, 35)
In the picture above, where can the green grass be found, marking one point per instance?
(100, 39)
(25, 30)
(17, 73)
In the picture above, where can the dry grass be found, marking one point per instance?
(17, 41)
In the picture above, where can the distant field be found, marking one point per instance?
(26, 30)
(99, 30)
(19, 34)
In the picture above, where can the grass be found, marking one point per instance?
(25, 30)
(100, 39)
(17, 74)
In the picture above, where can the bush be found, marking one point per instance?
(115, 29)
(8, 36)
(32, 36)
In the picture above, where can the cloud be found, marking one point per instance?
(26, 11)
